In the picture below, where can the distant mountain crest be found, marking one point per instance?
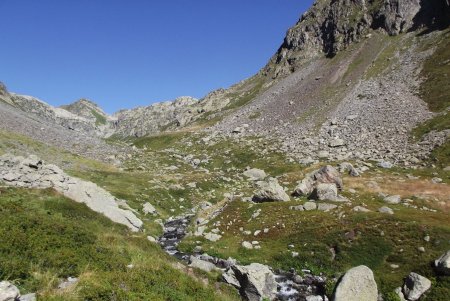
(88, 109)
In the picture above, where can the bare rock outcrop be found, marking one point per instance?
(31, 172)
(330, 26)
(322, 184)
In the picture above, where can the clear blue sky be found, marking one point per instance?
(123, 54)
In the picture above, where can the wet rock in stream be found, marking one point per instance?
(290, 286)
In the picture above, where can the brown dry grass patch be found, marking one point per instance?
(406, 188)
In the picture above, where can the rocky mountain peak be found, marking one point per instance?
(88, 109)
(329, 26)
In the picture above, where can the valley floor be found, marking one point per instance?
(187, 173)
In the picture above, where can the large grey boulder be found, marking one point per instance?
(201, 264)
(357, 284)
(270, 191)
(31, 172)
(256, 281)
(8, 291)
(415, 286)
(328, 174)
(322, 184)
(326, 192)
(442, 264)
(230, 278)
(305, 187)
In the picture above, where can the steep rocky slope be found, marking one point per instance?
(331, 26)
(44, 126)
(347, 82)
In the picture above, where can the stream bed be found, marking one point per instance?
(290, 285)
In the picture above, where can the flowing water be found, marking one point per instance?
(291, 287)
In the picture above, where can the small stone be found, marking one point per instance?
(213, 237)
(436, 180)
(386, 210)
(326, 207)
(310, 206)
(385, 164)
(393, 199)
(360, 209)
(336, 143)
(151, 239)
(421, 249)
(28, 297)
(247, 245)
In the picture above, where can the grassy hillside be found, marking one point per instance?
(435, 89)
(46, 237)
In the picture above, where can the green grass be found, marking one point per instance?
(435, 90)
(355, 238)
(441, 154)
(240, 99)
(386, 57)
(158, 142)
(99, 119)
(439, 123)
(46, 237)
